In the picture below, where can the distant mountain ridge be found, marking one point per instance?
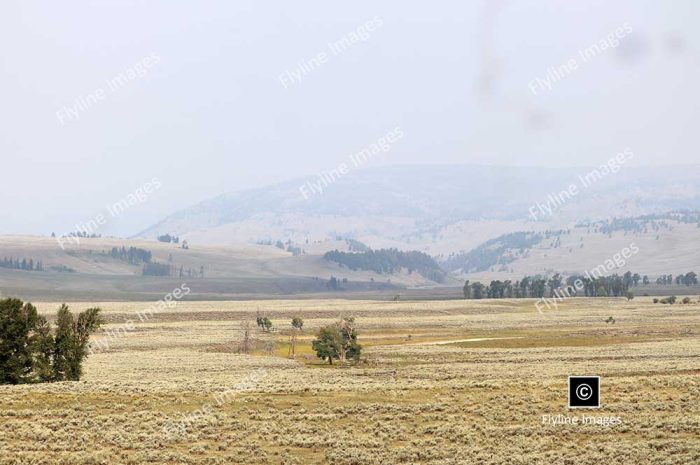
(420, 206)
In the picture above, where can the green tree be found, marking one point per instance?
(266, 324)
(71, 340)
(17, 326)
(31, 352)
(328, 343)
(351, 349)
(338, 341)
(297, 324)
(635, 279)
(87, 323)
(63, 344)
(478, 290)
(467, 290)
(43, 347)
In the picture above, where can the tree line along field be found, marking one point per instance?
(440, 382)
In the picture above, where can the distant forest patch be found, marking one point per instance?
(137, 256)
(389, 261)
(132, 255)
(288, 246)
(24, 264)
(642, 224)
(357, 246)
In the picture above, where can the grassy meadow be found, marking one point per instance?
(440, 382)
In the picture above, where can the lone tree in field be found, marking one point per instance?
(31, 352)
(297, 324)
(266, 324)
(246, 342)
(338, 341)
(263, 322)
(328, 343)
(351, 349)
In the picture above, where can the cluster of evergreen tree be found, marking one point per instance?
(288, 246)
(687, 279)
(168, 238)
(190, 273)
(157, 269)
(62, 269)
(334, 283)
(389, 261)
(294, 250)
(573, 286)
(83, 234)
(24, 264)
(132, 255)
(539, 287)
(357, 246)
(32, 351)
(643, 224)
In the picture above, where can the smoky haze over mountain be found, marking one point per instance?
(434, 194)
(225, 97)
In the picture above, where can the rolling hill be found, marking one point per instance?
(438, 209)
(456, 222)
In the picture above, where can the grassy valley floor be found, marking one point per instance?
(441, 382)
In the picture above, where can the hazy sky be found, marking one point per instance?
(210, 114)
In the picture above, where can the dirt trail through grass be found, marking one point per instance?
(455, 341)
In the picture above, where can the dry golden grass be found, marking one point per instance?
(408, 402)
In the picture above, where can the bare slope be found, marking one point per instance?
(580, 249)
(86, 270)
